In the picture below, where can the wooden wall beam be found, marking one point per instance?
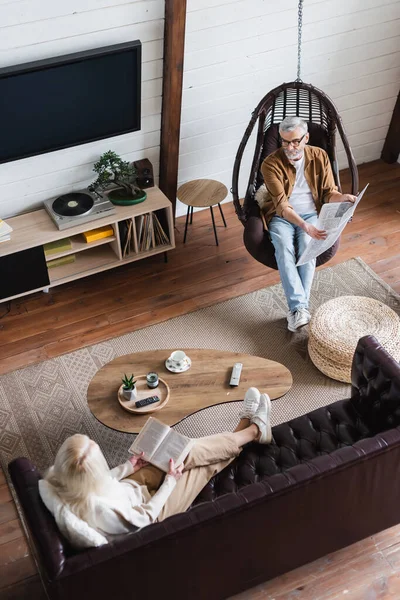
(174, 48)
(391, 147)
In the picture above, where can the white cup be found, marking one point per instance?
(178, 359)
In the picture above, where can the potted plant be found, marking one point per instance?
(129, 390)
(121, 175)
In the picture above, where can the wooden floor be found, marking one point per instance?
(200, 274)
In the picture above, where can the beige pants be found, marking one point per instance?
(208, 456)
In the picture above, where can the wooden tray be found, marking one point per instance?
(162, 390)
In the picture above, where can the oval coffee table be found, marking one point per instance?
(205, 384)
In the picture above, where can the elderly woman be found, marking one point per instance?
(91, 503)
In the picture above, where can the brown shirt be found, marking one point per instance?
(280, 175)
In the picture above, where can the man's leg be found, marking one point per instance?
(283, 238)
(306, 272)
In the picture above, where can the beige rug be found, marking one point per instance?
(43, 404)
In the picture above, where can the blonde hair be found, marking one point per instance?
(80, 472)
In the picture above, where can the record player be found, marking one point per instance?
(78, 207)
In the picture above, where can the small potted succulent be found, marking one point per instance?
(129, 390)
(119, 177)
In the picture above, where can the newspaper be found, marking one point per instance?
(333, 218)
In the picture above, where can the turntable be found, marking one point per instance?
(79, 207)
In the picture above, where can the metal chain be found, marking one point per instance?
(300, 31)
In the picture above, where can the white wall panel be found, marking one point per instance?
(237, 51)
(38, 29)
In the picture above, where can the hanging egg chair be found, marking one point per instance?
(317, 109)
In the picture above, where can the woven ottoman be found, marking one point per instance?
(337, 325)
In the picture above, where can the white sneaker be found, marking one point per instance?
(301, 317)
(290, 320)
(262, 418)
(298, 319)
(250, 403)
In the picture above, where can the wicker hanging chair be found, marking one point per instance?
(289, 99)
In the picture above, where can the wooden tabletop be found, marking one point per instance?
(205, 384)
(202, 192)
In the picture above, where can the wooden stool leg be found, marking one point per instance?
(213, 222)
(222, 214)
(186, 224)
(191, 215)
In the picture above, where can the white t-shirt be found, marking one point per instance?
(301, 198)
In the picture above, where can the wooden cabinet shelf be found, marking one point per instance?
(31, 231)
(78, 244)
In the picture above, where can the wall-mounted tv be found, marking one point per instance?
(69, 100)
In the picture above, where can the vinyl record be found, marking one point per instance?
(73, 205)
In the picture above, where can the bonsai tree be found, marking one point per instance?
(112, 170)
(128, 383)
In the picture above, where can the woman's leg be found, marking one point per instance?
(213, 449)
(206, 451)
(149, 476)
(195, 478)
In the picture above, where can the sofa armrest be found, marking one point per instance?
(48, 539)
(375, 379)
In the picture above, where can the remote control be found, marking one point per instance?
(146, 401)
(236, 371)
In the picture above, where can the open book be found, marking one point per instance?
(160, 443)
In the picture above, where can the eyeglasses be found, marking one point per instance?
(295, 143)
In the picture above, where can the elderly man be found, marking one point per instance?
(298, 180)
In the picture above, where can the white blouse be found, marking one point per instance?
(128, 503)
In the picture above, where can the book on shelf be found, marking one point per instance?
(159, 443)
(57, 246)
(150, 232)
(159, 233)
(98, 234)
(63, 260)
(128, 240)
(5, 231)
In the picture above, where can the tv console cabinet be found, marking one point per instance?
(24, 265)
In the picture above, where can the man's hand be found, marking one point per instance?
(348, 198)
(316, 234)
(137, 462)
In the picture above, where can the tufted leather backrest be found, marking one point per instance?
(375, 379)
(296, 442)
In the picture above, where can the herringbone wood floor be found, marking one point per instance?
(200, 274)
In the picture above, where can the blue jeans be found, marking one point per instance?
(289, 242)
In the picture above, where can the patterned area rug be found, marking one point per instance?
(41, 405)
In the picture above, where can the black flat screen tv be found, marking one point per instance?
(69, 100)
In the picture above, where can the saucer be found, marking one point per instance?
(173, 369)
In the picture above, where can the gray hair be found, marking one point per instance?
(292, 123)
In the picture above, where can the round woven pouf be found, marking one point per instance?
(337, 325)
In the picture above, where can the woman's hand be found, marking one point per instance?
(137, 461)
(316, 234)
(175, 472)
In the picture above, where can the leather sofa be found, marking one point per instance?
(329, 479)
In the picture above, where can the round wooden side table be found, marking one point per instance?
(200, 193)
